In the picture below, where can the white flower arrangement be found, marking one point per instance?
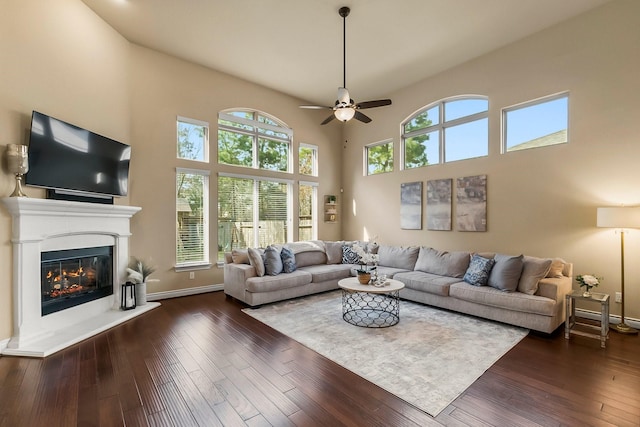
(588, 280)
(139, 271)
(366, 258)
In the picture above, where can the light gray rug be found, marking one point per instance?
(428, 359)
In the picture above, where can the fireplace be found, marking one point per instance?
(75, 276)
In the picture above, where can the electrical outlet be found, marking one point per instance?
(192, 275)
(618, 296)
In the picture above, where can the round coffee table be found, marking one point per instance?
(370, 306)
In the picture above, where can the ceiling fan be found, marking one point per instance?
(345, 108)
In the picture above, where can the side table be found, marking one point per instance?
(571, 321)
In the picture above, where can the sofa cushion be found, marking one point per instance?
(349, 256)
(310, 258)
(493, 297)
(426, 282)
(305, 246)
(479, 269)
(256, 260)
(279, 282)
(333, 251)
(506, 272)
(272, 260)
(398, 256)
(325, 272)
(443, 263)
(288, 260)
(240, 256)
(533, 270)
(390, 272)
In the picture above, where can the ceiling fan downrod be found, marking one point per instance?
(344, 12)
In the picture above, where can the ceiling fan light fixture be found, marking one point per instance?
(344, 114)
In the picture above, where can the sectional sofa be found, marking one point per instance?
(520, 290)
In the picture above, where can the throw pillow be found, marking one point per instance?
(442, 263)
(256, 261)
(334, 252)
(349, 256)
(556, 269)
(506, 271)
(272, 260)
(398, 256)
(240, 256)
(288, 260)
(478, 272)
(533, 271)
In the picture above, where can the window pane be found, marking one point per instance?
(307, 164)
(235, 148)
(306, 220)
(428, 118)
(422, 150)
(273, 213)
(467, 140)
(537, 125)
(192, 239)
(235, 214)
(235, 125)
(464, 107)
(192, 141)
(380, 158)
(273, 155)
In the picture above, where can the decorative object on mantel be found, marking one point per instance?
(139, 271)
(17, 164)
(620, 217)
(588, 281)
(128, 302)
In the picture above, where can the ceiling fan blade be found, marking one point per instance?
(316, 107)
(373, 104)
(328, 119)
(362, 117)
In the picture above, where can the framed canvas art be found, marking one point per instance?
(439, 204)
(471, 208)
(411, 206)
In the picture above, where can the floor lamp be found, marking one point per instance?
(621, 218)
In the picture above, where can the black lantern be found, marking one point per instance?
(130, 302)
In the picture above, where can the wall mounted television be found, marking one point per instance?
(74, 161)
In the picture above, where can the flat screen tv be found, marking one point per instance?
(68, 158)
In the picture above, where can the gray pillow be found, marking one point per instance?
(533, 271)
(256, 260)
(272, 260)
(334, 252)
(398, 256)
(478, 272)
(505, 273)
(240, 256)
(443, 263)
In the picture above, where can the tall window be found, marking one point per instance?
(192, 201)
(449, 130)
(537, 123)
(308, 160)
(252, 212)
(379, 157)
(252, 139)
(193, 139)
(307, 208)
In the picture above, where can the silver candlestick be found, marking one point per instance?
(18, 164)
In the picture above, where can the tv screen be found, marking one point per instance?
(65, 157)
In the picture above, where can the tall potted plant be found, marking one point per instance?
(139, 271)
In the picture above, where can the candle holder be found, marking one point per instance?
(17, 164)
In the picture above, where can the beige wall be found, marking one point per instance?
(541, 201)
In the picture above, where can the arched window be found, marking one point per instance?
(451, 129)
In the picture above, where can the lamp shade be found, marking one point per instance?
(619, 217)
(345, 114)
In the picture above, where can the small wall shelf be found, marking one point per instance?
(330, 208)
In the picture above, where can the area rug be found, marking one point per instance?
(428, 359)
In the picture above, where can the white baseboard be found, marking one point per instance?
(3, 344)
(613, 319)
(184, 292)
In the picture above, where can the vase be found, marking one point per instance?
(364, 278)
(141, 293)
(586, 293)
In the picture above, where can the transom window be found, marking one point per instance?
(193, 139)
(253, 139)
(538, 123)
(449, 130)
(378, 157)
(308, 160)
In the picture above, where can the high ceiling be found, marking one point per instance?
(295, 46)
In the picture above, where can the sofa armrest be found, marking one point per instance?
(554, 287)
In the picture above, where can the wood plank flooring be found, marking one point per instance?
(200, 361)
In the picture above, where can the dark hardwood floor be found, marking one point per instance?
(200, 361)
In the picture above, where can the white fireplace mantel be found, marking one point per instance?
(40, 225)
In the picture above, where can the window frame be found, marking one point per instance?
(205, 263)
(440, 127)
(314, 208)
(314, 159)
(523, 105)
(365, 159)
(206, 143)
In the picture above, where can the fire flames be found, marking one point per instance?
(66, 282)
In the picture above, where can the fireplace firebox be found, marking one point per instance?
(75, 276)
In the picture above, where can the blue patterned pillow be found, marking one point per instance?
(349, 256)
(288, 260)
(478, 272)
